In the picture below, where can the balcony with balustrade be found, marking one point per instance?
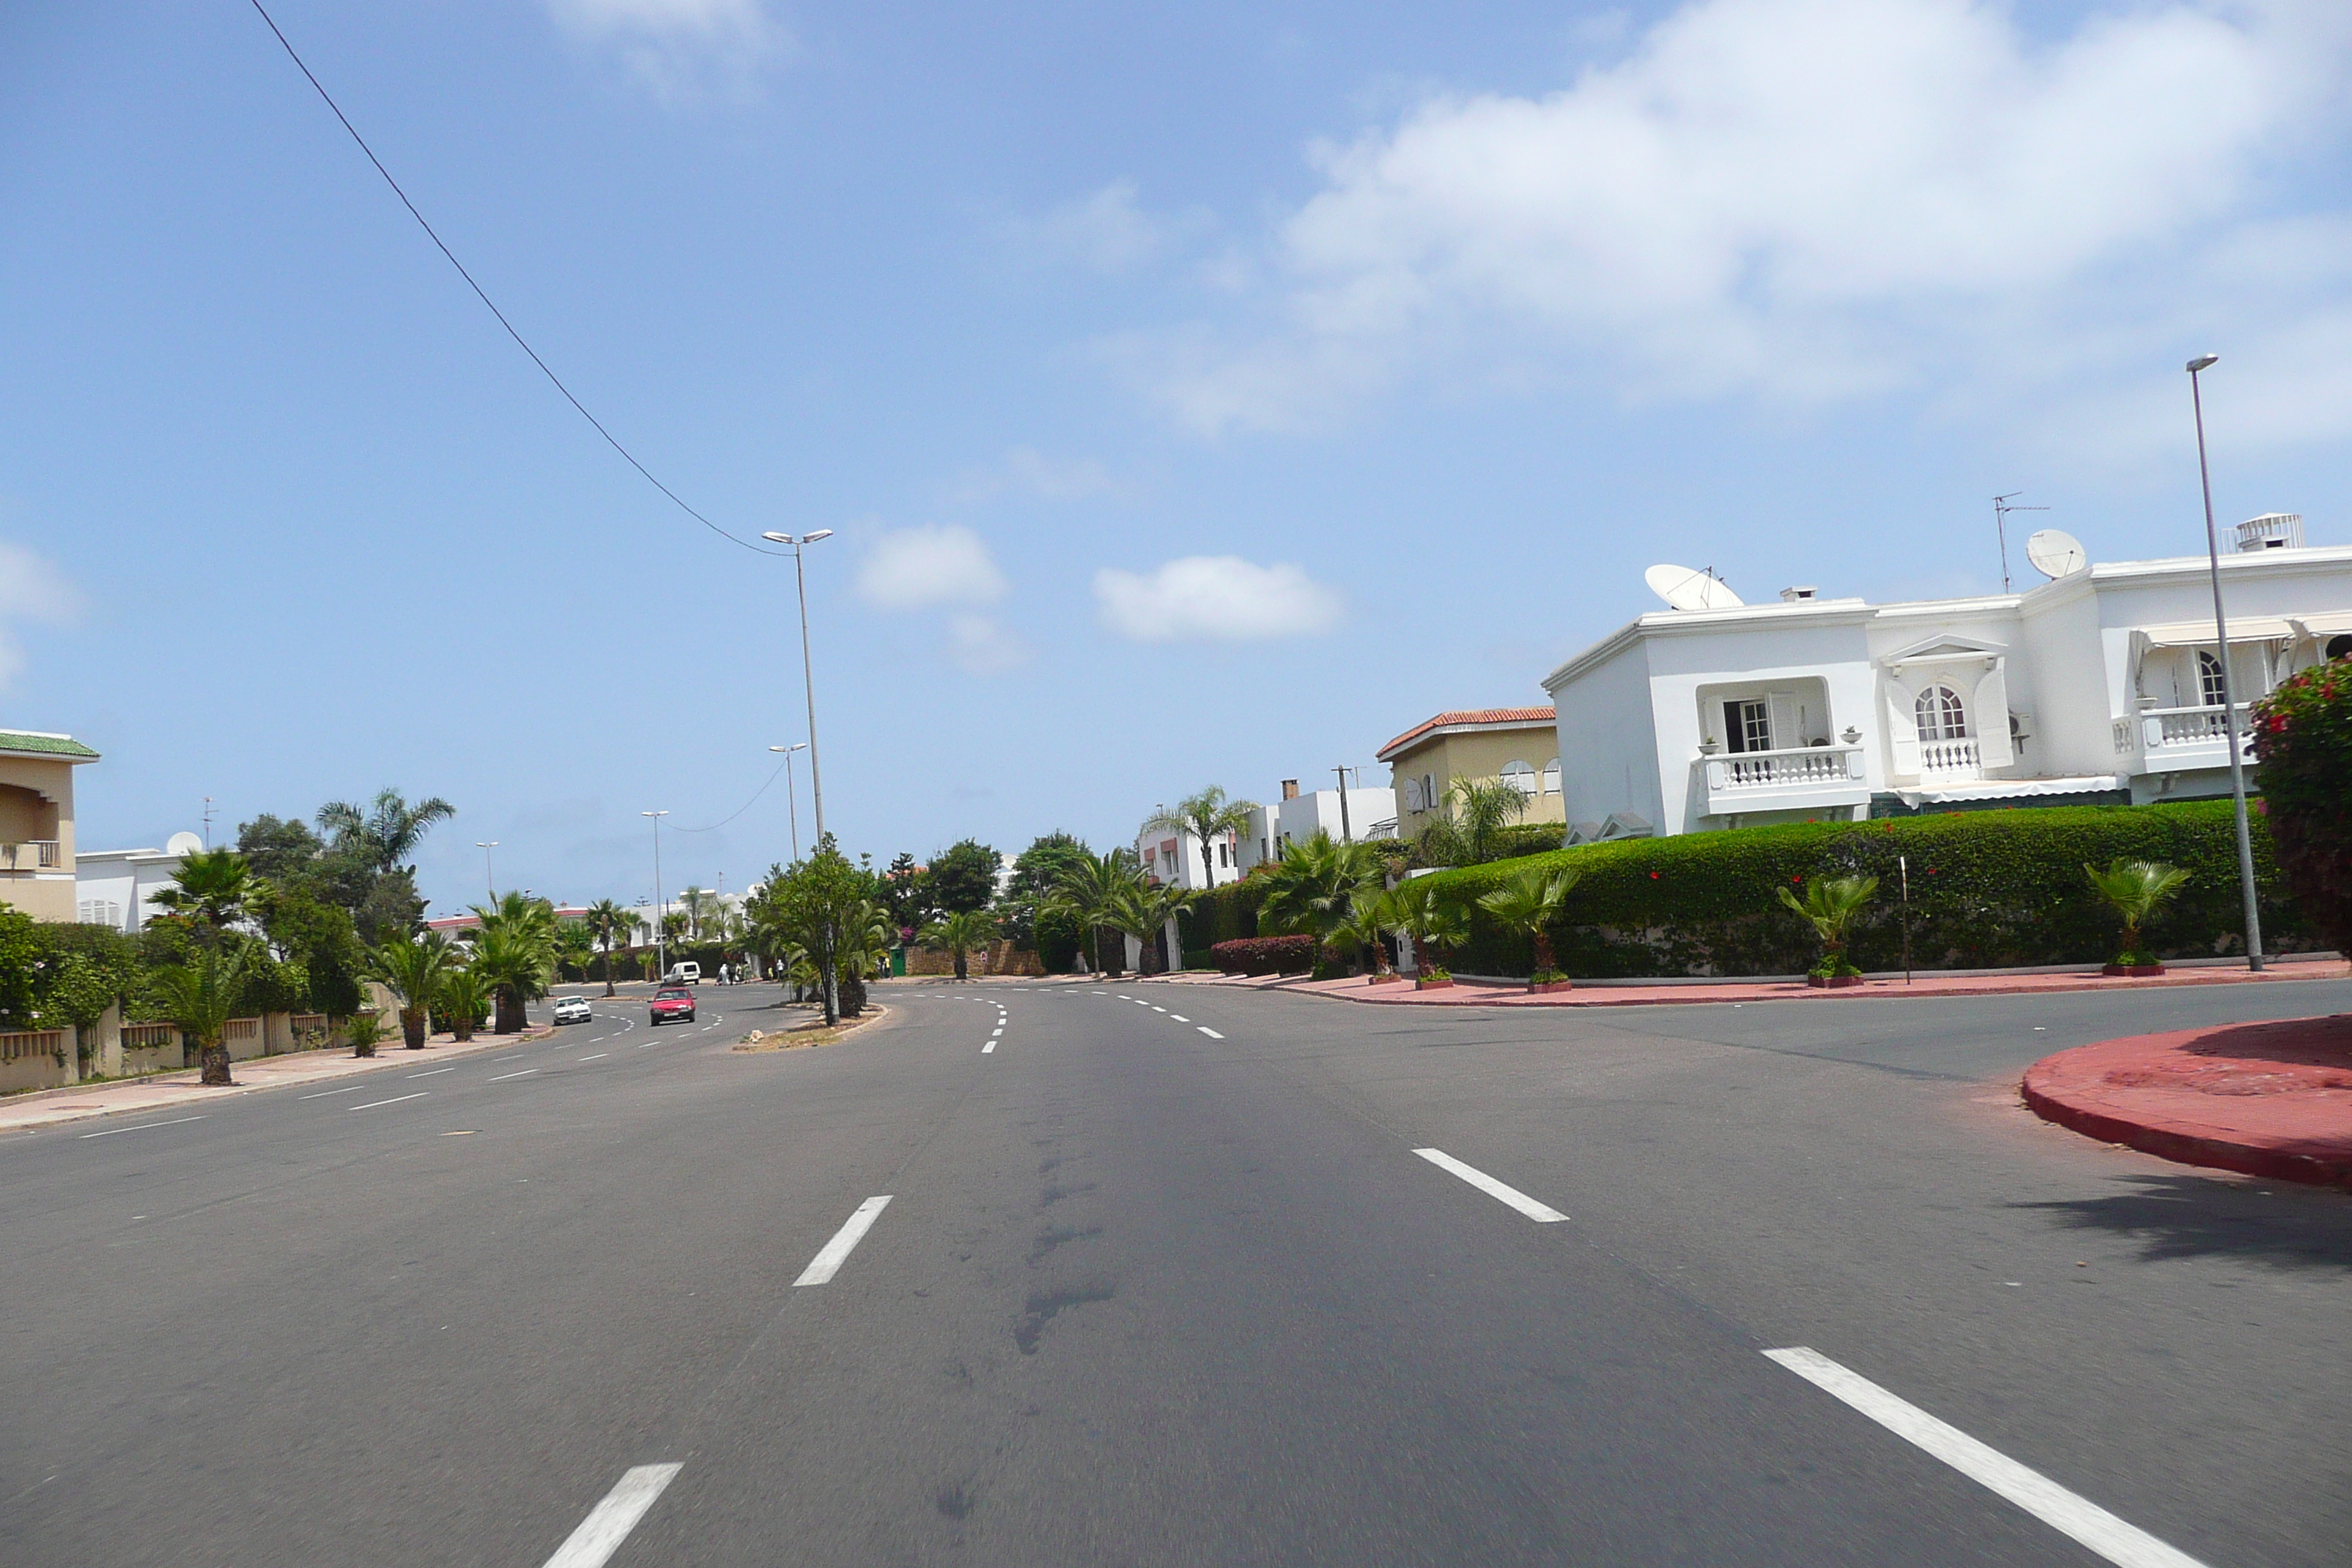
(1801, 778)
(2177, 740)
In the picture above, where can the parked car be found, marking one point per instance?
(685, 973)
(572, 1009)
(672, 1003)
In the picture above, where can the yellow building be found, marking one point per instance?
(1517, 745)
(36, 822)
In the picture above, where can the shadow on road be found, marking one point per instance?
(2210, 1217)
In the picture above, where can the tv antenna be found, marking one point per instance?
(2000, 510)
(208, 821)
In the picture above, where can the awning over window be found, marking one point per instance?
(2200, 634)
(2336, 623)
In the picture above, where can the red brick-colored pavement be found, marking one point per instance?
(2269, 1099)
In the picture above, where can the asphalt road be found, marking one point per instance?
(1161, 1279)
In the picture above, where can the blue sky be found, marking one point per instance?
(1198, 393)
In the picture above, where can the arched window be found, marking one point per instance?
(1941, 717)
(1520, 776)
(2208, 679)
(2339, 647)
(1552, 776)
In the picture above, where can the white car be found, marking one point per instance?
(572, 1009)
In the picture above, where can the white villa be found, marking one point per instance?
(2101, 685)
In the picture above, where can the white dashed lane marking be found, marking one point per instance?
(395, 1100)
(609, 1522)
(504, 1076)
(1542, 1214)
(143, 1127)
(834, 1253)
(1208, 1031)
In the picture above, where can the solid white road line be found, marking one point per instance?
(142, 1127)
(2119, 1542)
(985, 1050)
(352, 1089)
(1208, 1031)
(504, 1076)
(1540, 1213)
(437, 1072)
(609, 1522)
(395, 1100)
(831, 1256)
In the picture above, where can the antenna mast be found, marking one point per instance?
(2000, 510)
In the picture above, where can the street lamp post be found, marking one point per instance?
(2203, 362)
(487, 879)
(661, 939)
(808, 672)
(792, 803)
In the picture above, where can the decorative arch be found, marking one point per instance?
(1941, 715)
(1521, 776)
(2208, 679)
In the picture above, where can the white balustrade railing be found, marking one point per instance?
(2163, 729)
(1778, 769)
(1944, 758)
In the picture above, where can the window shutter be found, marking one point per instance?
(1784, 721)
(1989, 719)
(1902, 730)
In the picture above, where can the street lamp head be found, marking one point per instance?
(2203, 361)
(798, 746)
(653, 814)
(812, 538)
(779, 538)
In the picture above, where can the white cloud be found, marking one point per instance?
(919, 567)
(1214, 598)
(31, 590)
(1112, 231)
(1814, 197)
(681, 48)
(1026, 471)
(978, 645)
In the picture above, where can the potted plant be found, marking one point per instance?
(1529, 902)
(1830, 905)
(1435, 924)
(2136, 890)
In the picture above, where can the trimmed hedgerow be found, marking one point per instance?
(1229, 913)
(1265, 955)
(1988, 888)
(2303, 744)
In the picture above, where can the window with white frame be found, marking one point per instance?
(2208, 679)
(1748, 724)
(1521, 776)
(1941, 715)
(1551, 777)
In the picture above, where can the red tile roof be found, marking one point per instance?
(1470, 716)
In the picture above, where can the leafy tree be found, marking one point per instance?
(514, 953)
(389, 831)
(1312, 888)
(612, 925)
(963, 876)
(210, 894)
(906, 893)
(281, 849)
(959, 933)
(200, 996)
(827, 909)
(22, 954)
(319, 939)
(1035, 876)
(1530, 902)
(390, 906)
(1088, 892)
(2303, 748)
(2136, 890)
(1207, 817)
(414, 968)
(1830, 905)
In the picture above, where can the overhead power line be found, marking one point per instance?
(742, 809)
(556, 381)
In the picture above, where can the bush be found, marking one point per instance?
(1058, 936)
(2302, 747)
(1229, 912)
(1988, 888)
(1265, 955)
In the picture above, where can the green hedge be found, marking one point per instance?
(1229, 913)
(1988, 889)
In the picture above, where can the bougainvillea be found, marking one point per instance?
(2302, 747)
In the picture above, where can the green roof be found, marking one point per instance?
(50, 746)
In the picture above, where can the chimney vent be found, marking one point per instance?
(1800, 594)
(2272, 530)
(1290, 789)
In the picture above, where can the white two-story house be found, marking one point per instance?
(2100, 685)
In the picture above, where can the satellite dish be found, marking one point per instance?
(184, 844)
(2056, 553)
(1684, 589)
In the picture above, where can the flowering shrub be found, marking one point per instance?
(2303, 750)
(1265, 955)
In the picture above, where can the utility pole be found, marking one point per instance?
(2228, 700)
(1346, 833)
(661, 938)
(808, 670)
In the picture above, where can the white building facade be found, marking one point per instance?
(2102, 686)
(117, 888)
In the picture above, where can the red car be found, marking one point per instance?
(673, 1002)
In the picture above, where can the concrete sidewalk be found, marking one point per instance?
(177, 1091)
(2271, 1100)
(1472, 994)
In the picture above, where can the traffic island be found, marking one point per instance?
(2267, 1099)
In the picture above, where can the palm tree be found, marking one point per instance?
(1088, 891)
(1207, 818)
(864, 951)
(210, 892)
(363, 1031)
(1480, 808)
(959, 932)
(388, 833)
(696, 902)
(1530, 902)
(462, 1001)
(515, 951)
(574, 945)
(413, 967)
(2136, 890)
(1312, 888)
(1432, 921)
(1371, 915)
(199, 997)
(612, 924)
(1830, 904)
(674, 926)
(1142, 909)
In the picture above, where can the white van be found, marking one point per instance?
(685, 972)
